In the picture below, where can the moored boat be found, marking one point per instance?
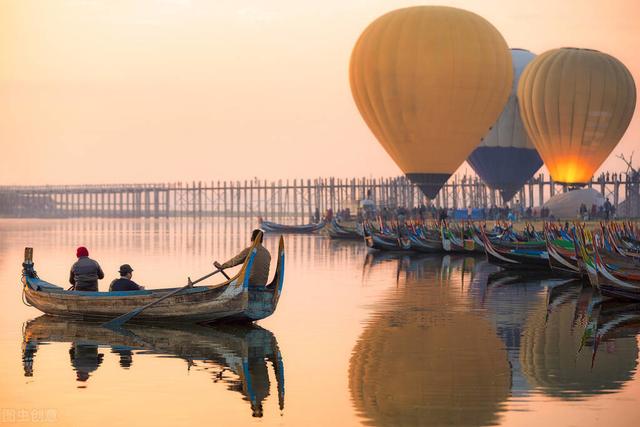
(232, 300)
(614, 280)
(563, 255)
(383, 242)
(337, 230)
(450, 241)
(516, 258)
(426, 242)
(273, 227)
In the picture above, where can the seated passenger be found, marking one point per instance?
(85, 272)
(124, 283)
(260, 269)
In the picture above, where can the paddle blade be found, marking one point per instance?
(121, 320)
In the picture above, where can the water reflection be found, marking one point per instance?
(554, 357)
(611, 320)
(425, 357)
(235, 355)
(436, 339)
(85, 359)
(456, 338)
(507, 300)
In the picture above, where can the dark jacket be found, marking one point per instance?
(85, 274)
(123, 284)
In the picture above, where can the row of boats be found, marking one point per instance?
(606, 254)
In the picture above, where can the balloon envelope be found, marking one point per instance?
(567, 205)
(575, 105)
(429, 81)
(506, 159)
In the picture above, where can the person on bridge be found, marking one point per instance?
(85, 272)
(260, 270)
(124, 283)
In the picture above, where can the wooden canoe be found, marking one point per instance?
(563, 256)
(336, 230)
(232, 300)
(386, 242)
(272, 227)
(614, 281)
(519, 259)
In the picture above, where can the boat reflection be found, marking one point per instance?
(237, 355)
(425, 358)
(554, 350)
(609, 321)
(455, 330)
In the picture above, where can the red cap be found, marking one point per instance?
(82, 251)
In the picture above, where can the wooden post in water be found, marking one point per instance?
(295, 199)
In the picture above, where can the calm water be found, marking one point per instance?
(358, 338)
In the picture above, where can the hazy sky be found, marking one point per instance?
(108, 91)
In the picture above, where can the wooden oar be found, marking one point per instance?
(119, 321)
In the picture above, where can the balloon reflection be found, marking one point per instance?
(236, 355)
(456, 337)
(424, 357)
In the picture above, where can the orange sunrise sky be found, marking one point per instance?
(112, 91)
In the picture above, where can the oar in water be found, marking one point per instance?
(119, 321)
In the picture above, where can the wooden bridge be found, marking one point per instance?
(298, 198)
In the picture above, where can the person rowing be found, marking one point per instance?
(261, 263)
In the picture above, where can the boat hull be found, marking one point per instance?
(202, 306)
(513, 259)
(272, 227)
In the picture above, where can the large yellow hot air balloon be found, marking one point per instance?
(429, 82)
(575, 105)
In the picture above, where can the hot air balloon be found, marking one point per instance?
(429, 81)
(506, 159)
(575, 105)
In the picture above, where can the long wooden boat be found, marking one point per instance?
(478, 244)
(520, 259)
(615, 281)
(336, 230)
(619, 242)
(273, 227)
(584, 255)
(243, 349)
(563, 255)
(232, 300)
(426, 242)
(385, 242)
(450, 241)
